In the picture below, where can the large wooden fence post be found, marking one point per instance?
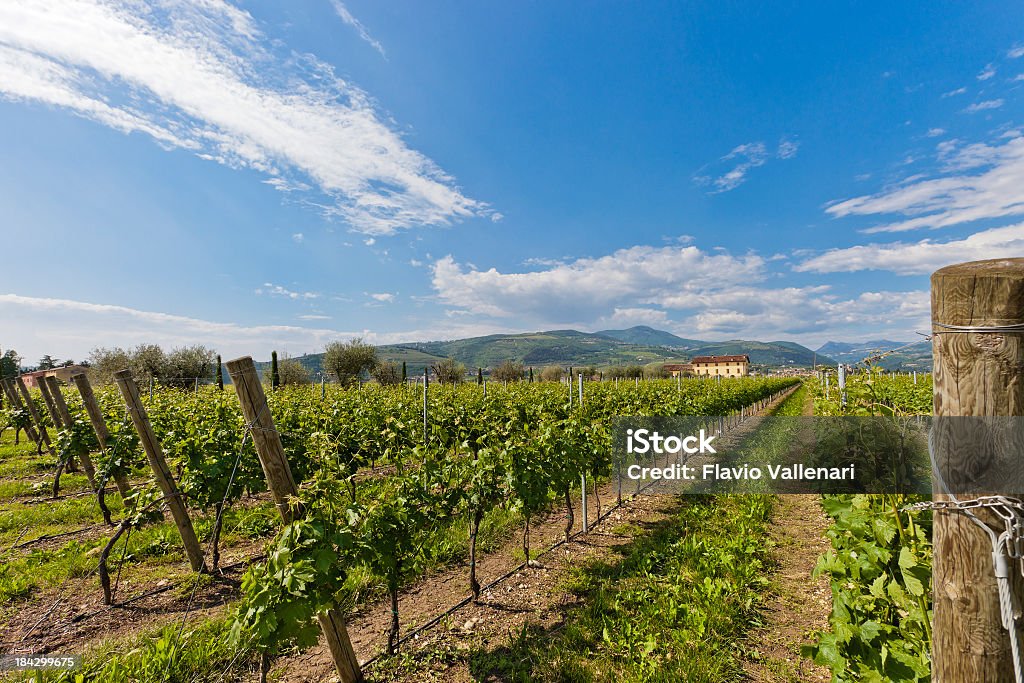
(976, 373)
(92, 409)
(282, 486)
(130, 392)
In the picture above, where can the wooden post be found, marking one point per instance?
(16, 404)
(975, 374)
(130, 392)
(92, 409)
(44, 437)
(282, 486)
(65, 416)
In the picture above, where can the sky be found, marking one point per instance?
(258, 175)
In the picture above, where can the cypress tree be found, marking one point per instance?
(531, 375)
(275, 378)
(403, 372)
(220, 374)
(479, 375)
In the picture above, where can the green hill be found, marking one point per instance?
(581, 349)
(648, 336)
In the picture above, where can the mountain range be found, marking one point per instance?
(640, 345)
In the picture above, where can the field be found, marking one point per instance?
(397, 526)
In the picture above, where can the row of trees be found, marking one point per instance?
(179, 367)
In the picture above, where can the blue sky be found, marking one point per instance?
(260, 175)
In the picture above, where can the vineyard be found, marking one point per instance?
(880, 565)
(394, 484)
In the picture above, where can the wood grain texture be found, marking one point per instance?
(155, 454)
(282, 486)
(16, 404)
(57, 396)
(975, 374)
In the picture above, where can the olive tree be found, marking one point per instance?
(449, 371)
(509, 371)
(349, 360)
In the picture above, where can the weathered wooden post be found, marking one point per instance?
(92, 409)
(978, 356)
(15, 401)
(57, 397)
(37, 420)
(130, 392)
(282, 485)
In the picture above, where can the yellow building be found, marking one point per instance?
(676, 369)
(724, 366)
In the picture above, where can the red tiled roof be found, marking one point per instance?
(721, 359)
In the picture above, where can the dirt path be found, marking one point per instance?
(798, 604)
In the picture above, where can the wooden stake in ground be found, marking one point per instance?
(977, 373)
(44, 437)
(282, 485)
(92, 409)
(61, 416)
(130, 392)
(15, 401)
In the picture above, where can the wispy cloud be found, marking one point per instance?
(994, 190)
(270, 289)
(1015, 53)
(66, 328)
(954, 93)
(984, 105)
(919, 258)
(935, 132)
(383, 297)
(201, 76)
(739, 162)
(347, 17)
(988, 72)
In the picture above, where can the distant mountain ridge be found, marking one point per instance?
(890, 355)
(639, 345)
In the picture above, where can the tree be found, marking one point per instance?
(48, 363)
(275, 375)
(509, 371)
(349, 360)
(104, 362)
(404, 375)
(147, 360)
(9, 363)
(449, 371)
(480, 376)
(531, 374)
(185, 364)
(387, 374)
(551, 373)
(220, 374)
(291, 372)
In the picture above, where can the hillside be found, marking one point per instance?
(916, 356)
(570, 347)
(648, 336)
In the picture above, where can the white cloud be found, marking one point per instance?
(298, 237)
(1015, 53)
(750, 155)
(988, 72)
(959, 197)
(383, 297)
(314, 316)
(935, 132)
(201, 76)
(66, 328)
(954, 93)
(270, 289)
(984, 106)
(588, 288)
(787, 148)
(347, 17)
(919, 258)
